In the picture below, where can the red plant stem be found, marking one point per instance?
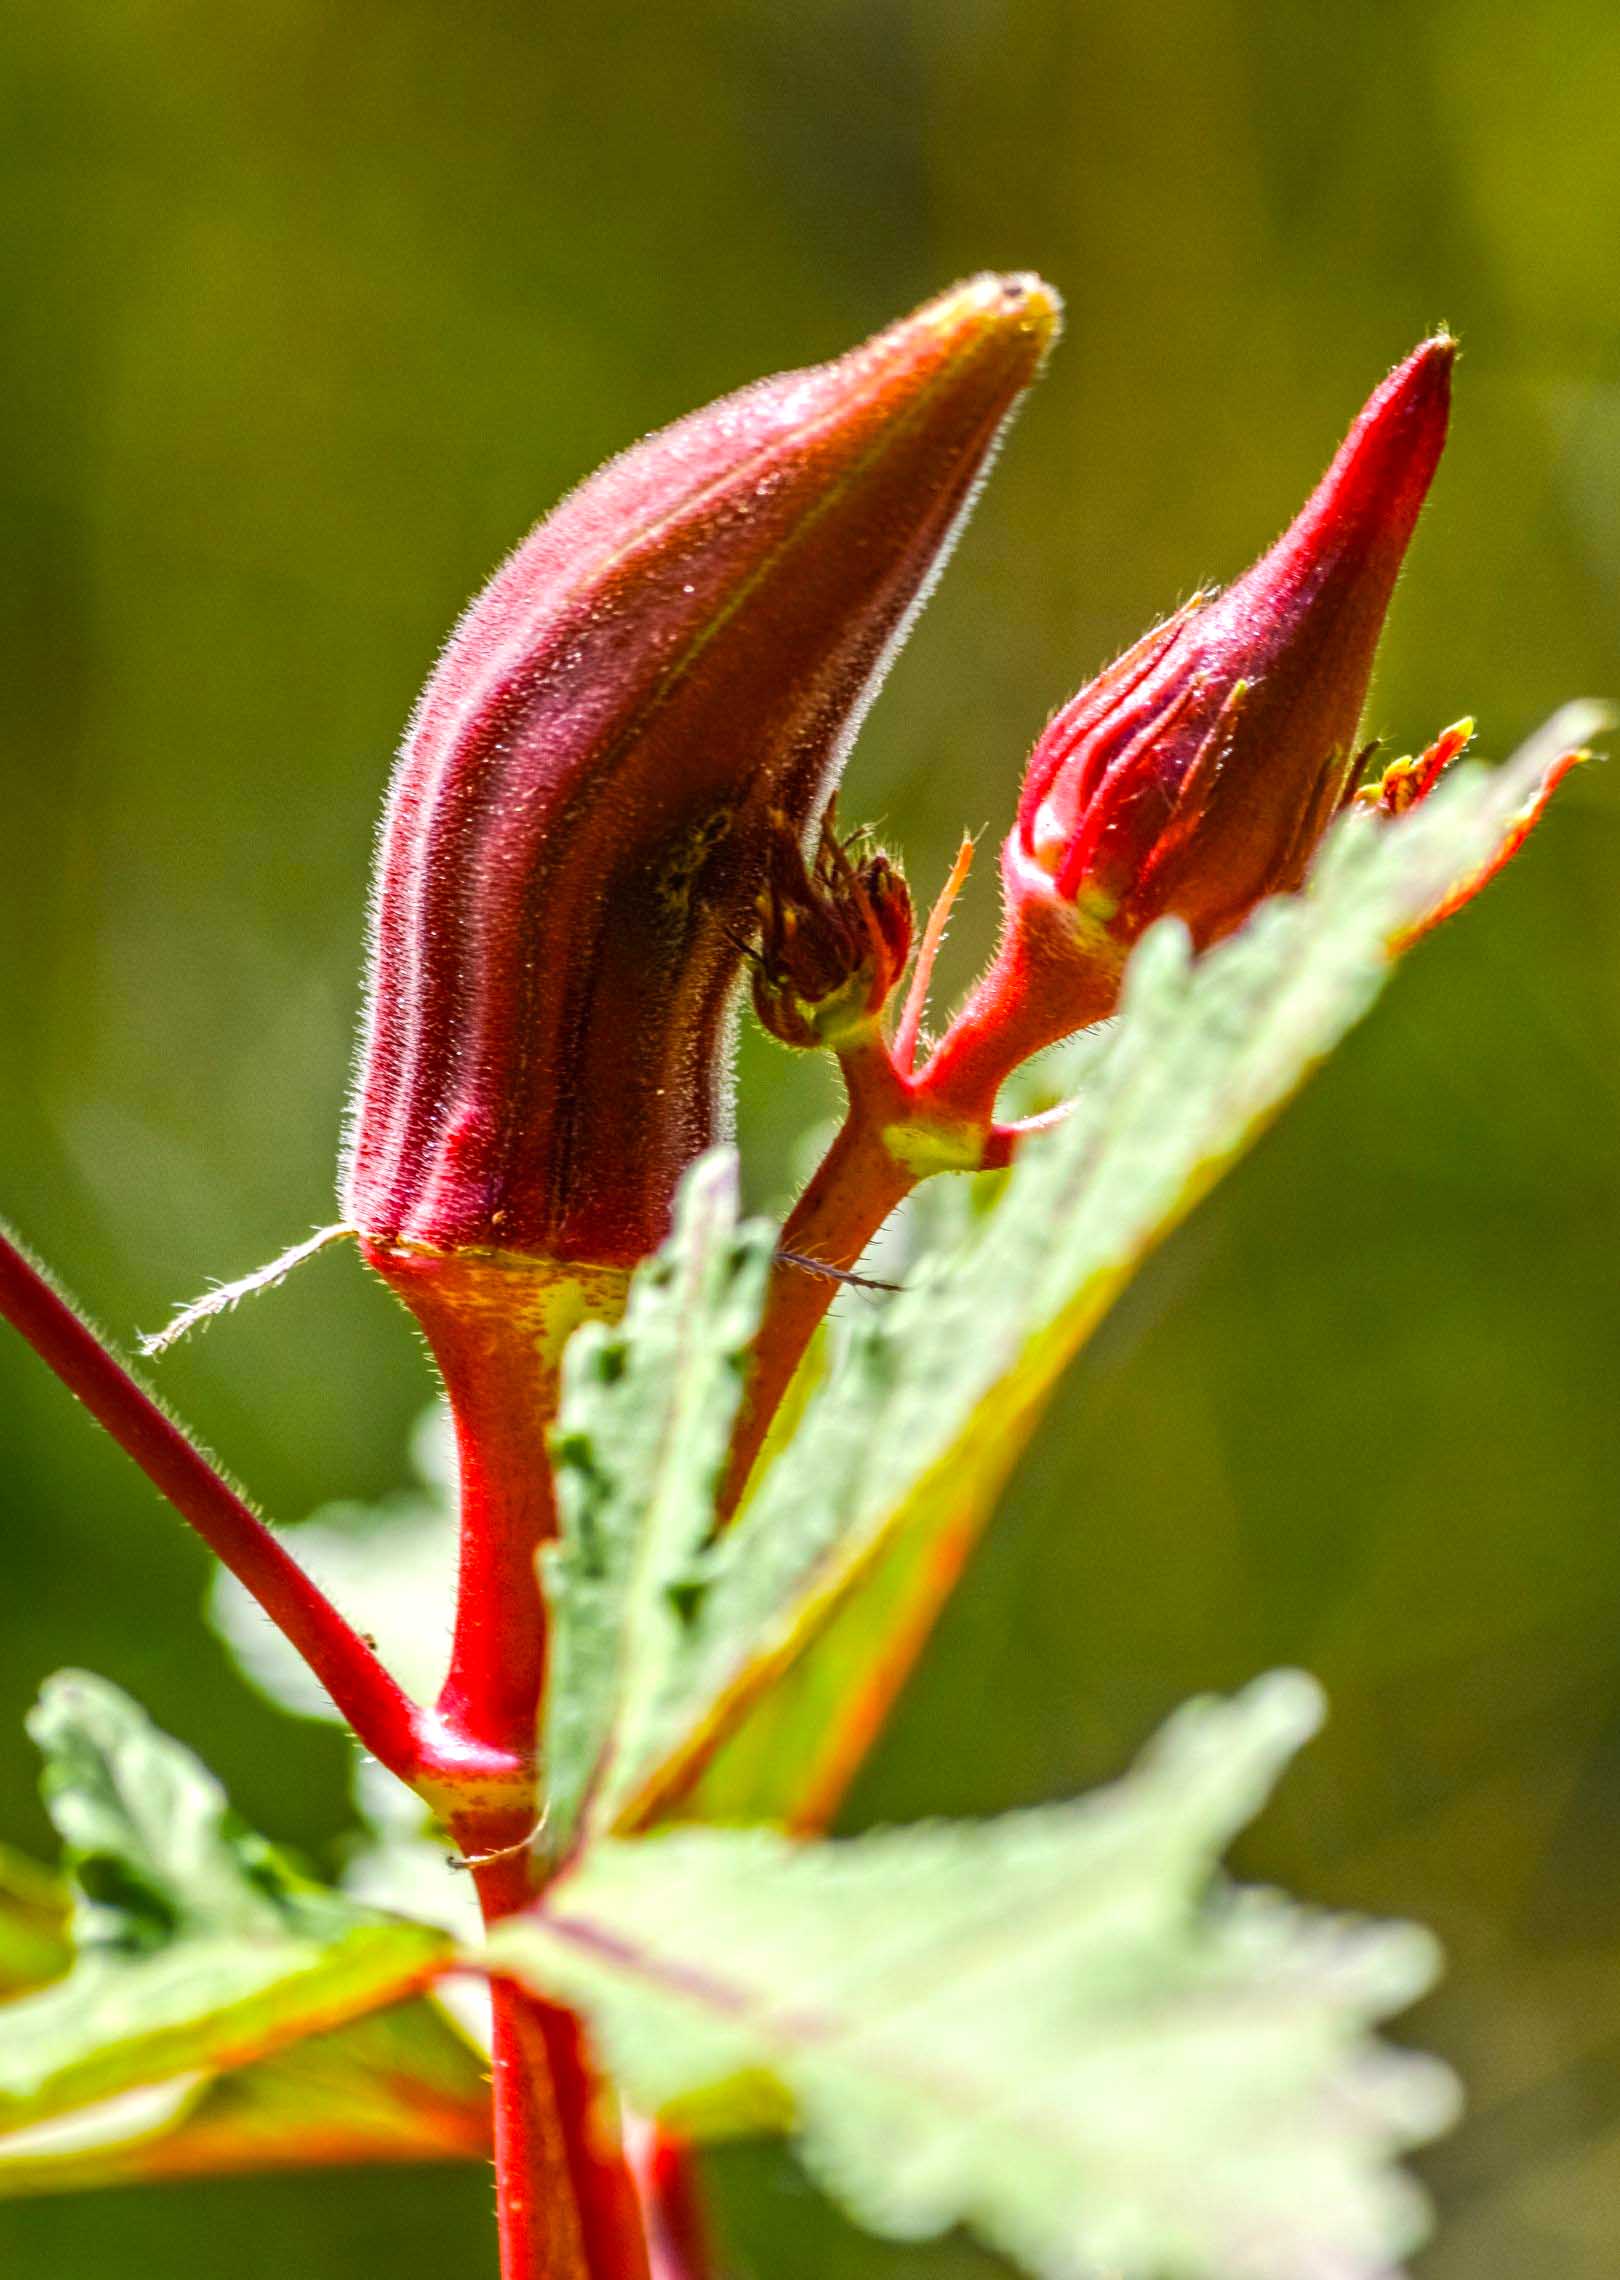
(896, 1133)
(497, 1323)
(899, 1129)
(859, 1182)
(387, 1722)
(539, 2222)
(507, 1510)
(566, 2203)
(678, 2246)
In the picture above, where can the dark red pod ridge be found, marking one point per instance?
(577, 825)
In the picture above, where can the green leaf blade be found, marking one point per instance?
(34, 1943)
(1049, 2028)
(646, 1416)
(400, 2084)
(820, 1595)
(198, 1947)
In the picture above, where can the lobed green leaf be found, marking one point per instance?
(197, 1945)
(33, 1924)
(1049, 2028)
(646, 1416)
(798, 1624)
(398, 2085)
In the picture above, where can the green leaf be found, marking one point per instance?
(399, 2085)
(646, 1416)
(1048, 2027)
(33, 1924)
(802, 1619)
(198, 1946)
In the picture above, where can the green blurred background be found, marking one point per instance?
(312, 308)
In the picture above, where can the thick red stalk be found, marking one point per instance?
(899, 1130)
(382, 1715)
(497, 1325)
(539, 2221)
(677, 2229)
(497, 1661)
(858, 1184)
(566, 2203)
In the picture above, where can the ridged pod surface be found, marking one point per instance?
(578, 825)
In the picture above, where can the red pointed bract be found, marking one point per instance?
(1198, 772)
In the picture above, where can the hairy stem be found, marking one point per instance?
(497, 1324)
(387, 1722)
(502, 1405)
(900, 1129)
(539, 2219)
(565, 2203)
(858, 1184)
(678, 2246)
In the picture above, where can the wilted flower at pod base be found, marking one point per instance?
(664, 677)
(1198, 772)
(834, 937)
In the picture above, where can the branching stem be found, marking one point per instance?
(678, 2246)
(899, 1129)
(566, 2205)
(497, 1323)
(387, 1722)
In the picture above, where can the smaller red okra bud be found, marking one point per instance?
(1197, 774)
(581, 819)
